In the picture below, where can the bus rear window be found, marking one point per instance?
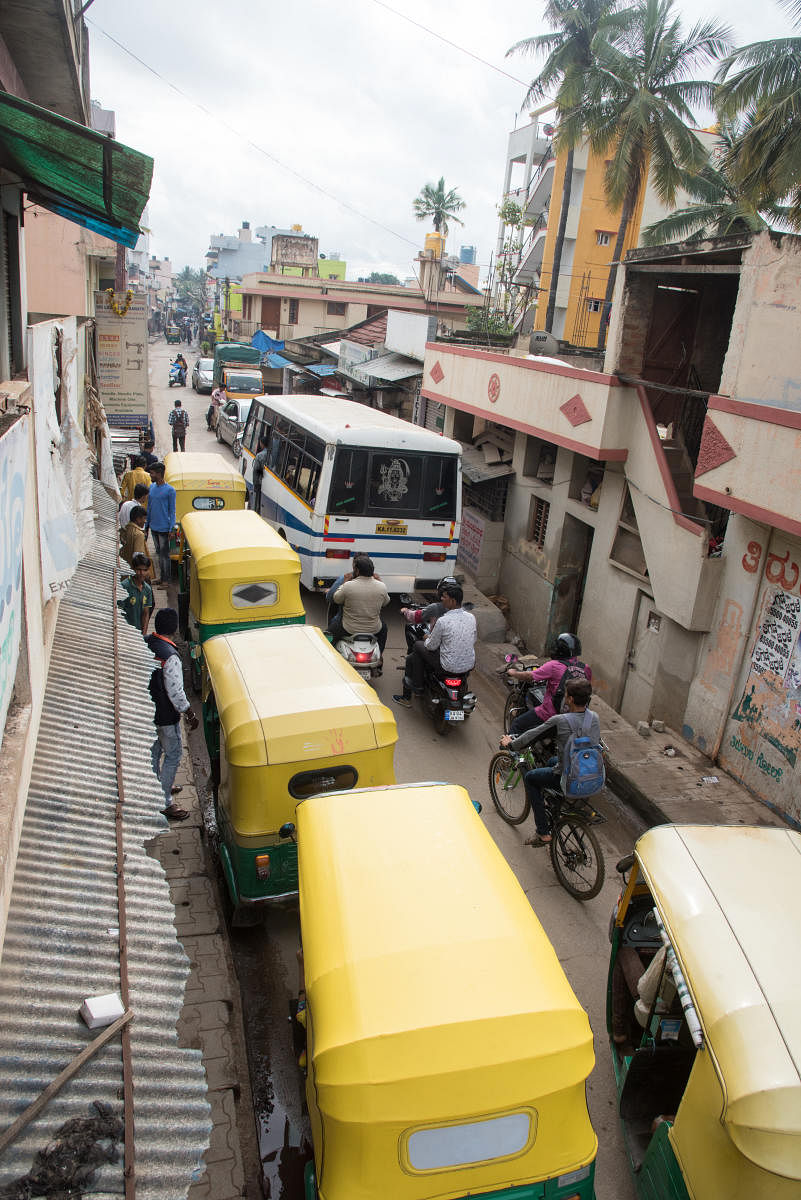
(347, 483)
(439, 487)
(384, 483)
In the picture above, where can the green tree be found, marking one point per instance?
(380, 277)
(762, 81)
(719, 206)
(569, 53)
(191, 287)
(637, 110)
(438, 204)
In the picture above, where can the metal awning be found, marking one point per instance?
(477, 470)
(73, 171)
(277, 361)
(321, 369)
(391, 366)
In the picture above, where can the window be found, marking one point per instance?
(439, 487)
(594, 305)
(538, 521)
(294, 306)
(384, 483)
(347, 482)
(205, 503)
(336, 308)
(602, 238)
(312, 783)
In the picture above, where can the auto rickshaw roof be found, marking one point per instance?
(235, 538)
(728, 897)
(284, 695)
(433, 989)
(193, 471)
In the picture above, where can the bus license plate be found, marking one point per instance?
(452, 714)
(387, 527)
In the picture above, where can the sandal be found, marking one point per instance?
(175, 790)
(173, 813)
(537, 841)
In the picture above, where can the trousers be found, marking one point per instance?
(165, 755)
(338, 630)
(161, 540)
(541, 777)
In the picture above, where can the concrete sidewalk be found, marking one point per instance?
(681, 787)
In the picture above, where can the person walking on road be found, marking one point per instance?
(167, 690)
(161, 520)
(179, 423)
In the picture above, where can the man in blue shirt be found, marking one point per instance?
(161, 520)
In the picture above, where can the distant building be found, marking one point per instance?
(467, 254)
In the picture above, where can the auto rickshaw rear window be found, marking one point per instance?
(312, 783)
(207, 503)
(254, 595)
(438, 1148)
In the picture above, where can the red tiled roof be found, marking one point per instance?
(371, 332)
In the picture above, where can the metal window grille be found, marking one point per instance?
(294, 305)
(539, 521)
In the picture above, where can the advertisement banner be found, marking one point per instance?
(122, 357)
(13, 473)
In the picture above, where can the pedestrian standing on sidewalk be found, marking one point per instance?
(179, 423)
(167, 689)
(139, 501)
(138, 605)
(137, 474)
(161, 520)
(132, 538)
(148, 455)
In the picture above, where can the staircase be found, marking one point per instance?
(681, 470)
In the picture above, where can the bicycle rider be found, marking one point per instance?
(578, 693)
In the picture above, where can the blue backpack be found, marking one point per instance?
(583, 771)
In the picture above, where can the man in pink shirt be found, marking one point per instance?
(555, 673)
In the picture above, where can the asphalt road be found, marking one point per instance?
(265, 957)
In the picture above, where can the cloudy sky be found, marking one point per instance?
(242, 99)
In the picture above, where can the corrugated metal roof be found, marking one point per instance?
(392, 366)
(476, 469)
(61, 941)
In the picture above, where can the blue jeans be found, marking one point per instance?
(165, 755)
(162, 543)
(541, 777)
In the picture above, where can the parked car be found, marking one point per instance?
(231, 423)
(201, 375)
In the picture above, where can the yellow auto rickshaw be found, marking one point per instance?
(285, 717)
(239, 573)
(203, 483)
(703, 1012)
(447, 1054)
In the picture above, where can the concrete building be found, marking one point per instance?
(654, 507)
(590, 232)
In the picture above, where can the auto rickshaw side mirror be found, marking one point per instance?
(625, 864)
(476, 805)
(287, 830)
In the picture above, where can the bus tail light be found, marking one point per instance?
(263, 866)
(430, 556)
(338, 554)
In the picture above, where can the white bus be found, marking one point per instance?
(344, 479)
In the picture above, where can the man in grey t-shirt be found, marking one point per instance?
(577, 698)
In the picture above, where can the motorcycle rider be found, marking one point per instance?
(180, 363)
(450, 648)
(565, 662)
(361, 595)
(429, 613)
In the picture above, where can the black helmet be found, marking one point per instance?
(446, 581)
(567, 646)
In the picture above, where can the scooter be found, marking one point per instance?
(446, 700)
(177, 374)
(360, 650)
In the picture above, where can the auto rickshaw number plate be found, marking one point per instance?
(389, 527)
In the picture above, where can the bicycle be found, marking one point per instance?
(576, 855)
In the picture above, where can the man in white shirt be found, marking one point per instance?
(450, 648)
(140, 498)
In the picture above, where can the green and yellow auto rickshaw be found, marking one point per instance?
(703, 1012)
(238, 573)
(285, 718)
(447, 1054)
(203, 483)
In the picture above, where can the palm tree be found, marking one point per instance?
(767, 89)
(438, 204)
(720, 208)
(569, 57)
(637, 108)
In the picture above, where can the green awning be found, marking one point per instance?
(76, 172)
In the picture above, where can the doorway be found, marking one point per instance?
(270, 313)
(643, 661)
(571, 574)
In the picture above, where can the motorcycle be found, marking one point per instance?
(523, 696)
(177, 374)
(359, 649)
(447, 699)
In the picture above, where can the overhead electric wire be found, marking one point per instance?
(454, 45)
(249, 142)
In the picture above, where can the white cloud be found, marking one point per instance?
(350, 96)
